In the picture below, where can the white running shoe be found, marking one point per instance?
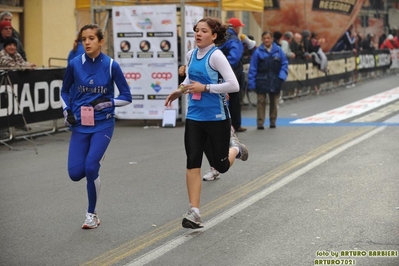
(91, 221)
(211, 175)
(192, 220)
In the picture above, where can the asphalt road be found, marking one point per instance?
(308, 194)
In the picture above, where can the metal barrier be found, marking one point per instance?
(50, 64)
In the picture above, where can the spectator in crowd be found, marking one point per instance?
(346, 42)
(319, 57)
(296, 46)
(6, 31)
(233, 49)
(7, 16)
(285, 44)
(77, 48)
(389, 43)
(367, 43)
(88, 103)
(208, 117)
(382, 38)
(277, 38)
(267, 72)
(10, 58)
(396, 40)
(307, 45)
(249, 47)
(358, 42)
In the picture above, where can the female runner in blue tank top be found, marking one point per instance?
(208, 116)
(89, 103)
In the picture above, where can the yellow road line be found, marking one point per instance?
(136, 245)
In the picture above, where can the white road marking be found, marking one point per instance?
(352, 109)
(160, 251)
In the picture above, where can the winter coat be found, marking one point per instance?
(267, 70)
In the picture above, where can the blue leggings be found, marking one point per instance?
(85, 152)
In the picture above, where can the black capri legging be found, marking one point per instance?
(213, 135)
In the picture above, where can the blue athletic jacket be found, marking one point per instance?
(86, 80)
(267, 70)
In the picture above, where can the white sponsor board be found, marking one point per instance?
(192, 15)
(395, 58)
(145, 46)
(352, 109)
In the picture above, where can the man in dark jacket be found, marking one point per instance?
(233, 49)
(367, 43)
(346, 42)
(297, 46)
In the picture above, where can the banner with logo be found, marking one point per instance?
(145, 46)
(302, 73)
(192, 16)
(328, 18)
(367, 61)
(395, 58)
(34, 93)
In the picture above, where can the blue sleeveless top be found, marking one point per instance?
(211, 106)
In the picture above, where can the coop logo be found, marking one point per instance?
(161, 75)
(132, 75)
(156, 86)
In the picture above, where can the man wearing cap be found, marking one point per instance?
(6, 31)
(9, 57)
(233, 49)
(7, 16)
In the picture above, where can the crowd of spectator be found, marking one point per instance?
(12, 53)
(356, 41)
(306, 45)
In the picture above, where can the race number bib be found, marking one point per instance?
(87, 115)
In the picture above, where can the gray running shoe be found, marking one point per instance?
(91, 221)
(192, 220)
(212, 174)
(235, 142)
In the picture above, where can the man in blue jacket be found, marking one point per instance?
(233, 49)
(267, 72)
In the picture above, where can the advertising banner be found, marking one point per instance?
(35, 93)
(302, 73)
(367, 61)
(192, 15)
(395, 58)
(145, 46)
(328, 18)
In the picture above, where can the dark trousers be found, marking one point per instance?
(235, 104)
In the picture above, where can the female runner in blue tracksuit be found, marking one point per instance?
(88, 104)
(208, 117)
